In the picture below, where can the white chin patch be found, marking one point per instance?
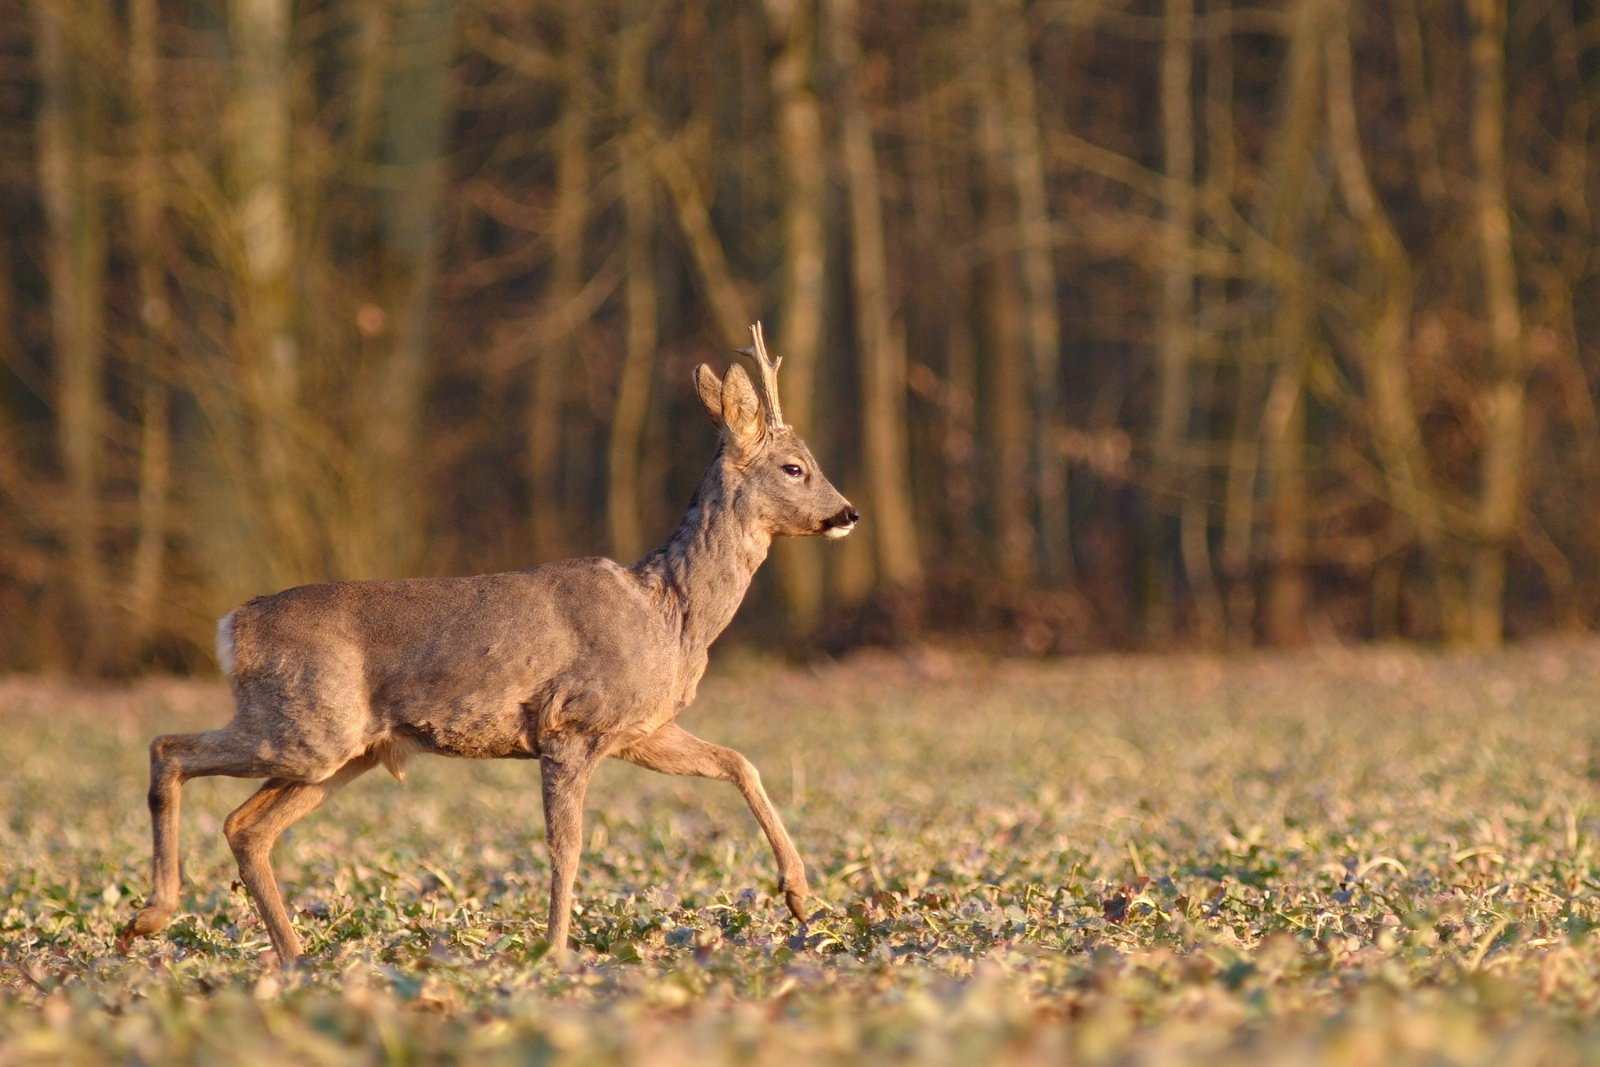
(838, 531)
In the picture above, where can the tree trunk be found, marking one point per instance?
(70, 129)
(1010, 414)
(639, 296)
(1388, 294)
(1284, 430)
(1501, 489)
(1041, 316)
(147, 572)
(1236, 535)
(1287, 341)
(881, 339)
(568, 226)
(1213, 624)
(416, 111)
(260, 146)
(802, 158)
(1422, 133)
(266, 338)
(1176, 329)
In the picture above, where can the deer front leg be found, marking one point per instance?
(674, 750)
(565, 775)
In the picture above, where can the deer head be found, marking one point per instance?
(777, 475)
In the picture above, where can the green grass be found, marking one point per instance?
(1348, 857)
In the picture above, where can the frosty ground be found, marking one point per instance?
(1345, 856)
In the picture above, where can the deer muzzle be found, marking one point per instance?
(841, 524)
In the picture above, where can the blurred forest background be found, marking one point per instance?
(1125, 322)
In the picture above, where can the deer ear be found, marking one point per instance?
(741, 411)
(709, 386)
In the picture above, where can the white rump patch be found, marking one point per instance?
(225, 643)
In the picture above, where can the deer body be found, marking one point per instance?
(567, 663)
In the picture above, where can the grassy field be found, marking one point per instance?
(1348, 857)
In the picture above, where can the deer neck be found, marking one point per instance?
(705, 569)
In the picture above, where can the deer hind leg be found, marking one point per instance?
(255, 826)
(565, 772)
(174, 759)
(674, 750)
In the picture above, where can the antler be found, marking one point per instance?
(768, 368)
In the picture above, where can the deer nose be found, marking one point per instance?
(845, 519)
(840, 524)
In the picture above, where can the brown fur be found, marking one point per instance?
(567, 663)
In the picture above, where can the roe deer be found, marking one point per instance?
(566, 663)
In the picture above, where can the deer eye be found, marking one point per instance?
(792, 470)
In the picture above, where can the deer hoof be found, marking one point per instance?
(148, 921)
(796, 901)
